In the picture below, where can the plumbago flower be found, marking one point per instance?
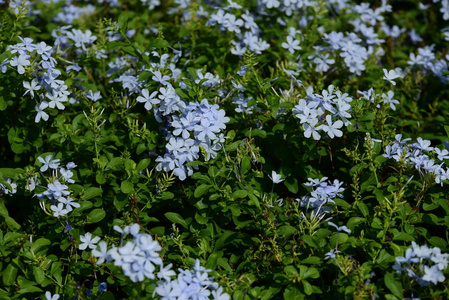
(429, 161)
(423, 264)
(139, 258)
(57, 190)
(326, 112)
(323, 193)
(5, 191)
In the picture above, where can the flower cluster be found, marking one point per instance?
(323, 193)
(43, 65)
(57, 191)
(4, 189)
(191, 284)
(386, 99)
(249, 40)
(138, 259)
(423, 264)
(326, 112)
(417, 155)
(198, 127)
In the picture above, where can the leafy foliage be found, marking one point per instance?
(249, 150)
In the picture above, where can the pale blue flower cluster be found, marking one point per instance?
(323, 193)
(378, 99)
(139, 258)
(419, 155)
(199, 126)
(5, 191)
(44, 72)
(423, 264)
(426, 60)
(325, 112)
(247, 40)
(56, 191)
(69, 12)
(191, 284)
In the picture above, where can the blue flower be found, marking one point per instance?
(48, 163)
(102, 287)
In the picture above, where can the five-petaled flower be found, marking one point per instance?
(391, 75)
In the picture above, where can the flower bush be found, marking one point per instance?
(248, 149)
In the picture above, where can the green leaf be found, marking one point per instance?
(313, 260)
(115, 164)
(201, 218)
(3, 104)
(446, 128)
(308, 289)
(9, 275)
(212, 171)
(143, 164)
(292, 184)
(39, 275)
(213, 258)
(437, 242)
(159, 43)
(38, 244)
(145, 75)
(246, 165)
(107, 296)
(130, 165)
(123, 21)
(309, 240)
(257, 132)
(33, 28)
(291, 271)
(287, 230)
(363, 208)
(100, 178)
(354, 221)
(200, 190)
(177, 219)
(394, 285)
(402, 236)
(96, 215)
(91, 192)
(56, 271)
(224, 239)
(12, 224)
(292, 292)
(166, 195)
(306, 272)
(126, 187)
(29, 289)
(239, 194)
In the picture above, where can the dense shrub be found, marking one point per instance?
(256, 149)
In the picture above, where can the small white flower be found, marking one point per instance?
(390, 76)
(275, 177)
(88, 241)
(48, 296)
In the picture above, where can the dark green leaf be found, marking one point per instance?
(200, 190)
(91, 192)
(177, 219)
(96, 215)
(394, 285)
(246, 165)
(126, 187)
(9, 275)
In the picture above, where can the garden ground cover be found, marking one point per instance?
(253, 149)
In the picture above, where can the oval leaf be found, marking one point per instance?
(96, 215)
(176, 218)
